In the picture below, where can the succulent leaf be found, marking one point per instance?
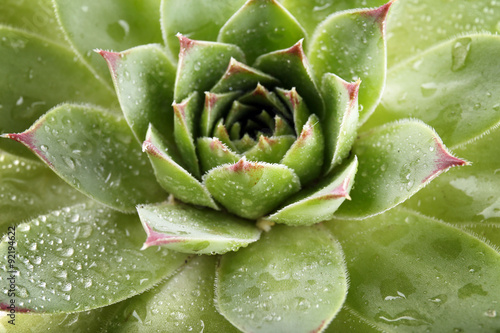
(416, 26)
(452, 88)
(259, 27)
(352, 45)
(146, 66)
(172, 176)
(185, 115)
(276, 283)
(68, 139)
(340, 120)
(197, 56)
(419, 294)
(251, 189)
(114, 24)
(239, 76)
(306, 155)
(321, 201)
(198, 19)
(296, 104)
(28, 188)
(57, 274)
(187, 229)
(311, 13)
(466, 195)
(395, 161)
(216, 105)
(191, 309)
(270, 149)
(291, 67)
(213, 152)
(27, 96)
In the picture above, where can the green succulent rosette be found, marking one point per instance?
(249, 166)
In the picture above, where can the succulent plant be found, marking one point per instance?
(250, 166)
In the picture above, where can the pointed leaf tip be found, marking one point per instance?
(185, 43)
(27, 139)
(444, 160)
(156, 238)
(379, 14)
(110, 57)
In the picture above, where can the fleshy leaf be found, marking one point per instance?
(239, 76)
(416, 26)
(35, 16)
(340, 121)
(198, 19)
(291, 280)
(251, 189)
(261, 96)
(114, 24)
(173, 177)
(292, 68)
(239, 111)
(436, 273)
(352, 45)
(183, 303)
(69, 260)
(26, 93)
(144, 82)
(320, 202)
(296, 104)
(28, 188)
(216, 105)
(466, 195)
(186, 114)
(306, 155)
(113, 171)
(201, 65)
(270, 149)
(395, 161)
(245, 143)
(451, 87)
(348, 320)
(489, 233)
(189, 229)
(281, 127)
(213, 152)
(259, 27)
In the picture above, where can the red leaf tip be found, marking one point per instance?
(379, 14)
(110, 57)
(444, 160)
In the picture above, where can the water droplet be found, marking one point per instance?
(459, 52)
(428, 89)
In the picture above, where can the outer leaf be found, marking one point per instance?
(201, 65)
(489, 233)
(352, 45)
(306, 155)
(415, 26)
(199, 19)
(437, 274)
(75, 249)
(35, 16)
(395, 161)
(94, 152)
(469, 194)
(340, 121)
(451, 87)
(173, 177)
(144, 82)
(213, 153)
(311, 13)
(25, 92)
(29, 188)
(292, 280)
(112, 24)
(251, 189)
(182, 304)
(320, 202)
(348, 320)
(189, 229)
(259, 27)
